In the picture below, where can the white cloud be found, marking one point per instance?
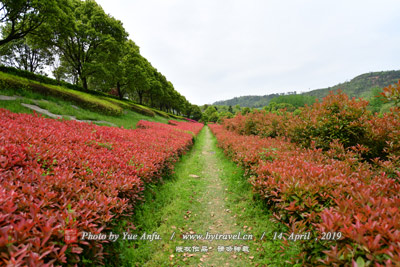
(213, 50)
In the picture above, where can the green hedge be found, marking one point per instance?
(82, 99)
(132, 106)
(161, 113)
(37, 77)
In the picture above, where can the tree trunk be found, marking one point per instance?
(119, 90)
(84, 83)
(140, 94)
(151, 101)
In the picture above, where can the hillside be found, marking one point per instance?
(23, 95)
(360, 86)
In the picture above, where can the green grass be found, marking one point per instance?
(127, 104)
(55, 99)
(15, 106)
(20, 86)
(161, 113)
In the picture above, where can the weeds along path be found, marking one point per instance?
(217, 218)
(207, 198)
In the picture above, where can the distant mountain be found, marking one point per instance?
(360, 86)
(251, 101)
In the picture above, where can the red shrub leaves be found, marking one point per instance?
(391, 93)
(259, 123)
(340, 173)
(335, 118)
(58, 175)
(370, 219)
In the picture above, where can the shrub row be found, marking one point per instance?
(130, 105)
(311, 190)
(336, 117)
(57, 175)
(189, 127)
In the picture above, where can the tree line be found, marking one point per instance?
(83, 45)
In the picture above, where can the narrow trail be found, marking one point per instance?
(207, 196)
(216, 216)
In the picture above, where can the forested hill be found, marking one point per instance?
(360, 86)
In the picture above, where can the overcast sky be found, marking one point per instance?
(215, 50)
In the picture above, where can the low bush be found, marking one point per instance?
(331, 191)
(335, 118)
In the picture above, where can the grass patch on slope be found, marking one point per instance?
(67, 102)
(128, 119)
(20, 86)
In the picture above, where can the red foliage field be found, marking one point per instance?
(315, 176)
(58, 175)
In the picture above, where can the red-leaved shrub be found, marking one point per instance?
(312, 190)
(58, 175)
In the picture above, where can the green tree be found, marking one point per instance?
(156, 90)
(209, 114)
(294, 100)
(21, 17)
(214, 117)
(376, 102)
(224, 115)
(245, 110)
(137, 73)
(113, 73)
(196, 113)
(24, 55)
(84, 36)
(64, 71)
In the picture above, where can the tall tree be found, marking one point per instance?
(155, 91)
(138, 76)
(24, 55)
(120, 71)
(86, 37)
(21, 17)
(196, 112)
(113, 72)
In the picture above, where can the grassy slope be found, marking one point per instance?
(87, 106)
